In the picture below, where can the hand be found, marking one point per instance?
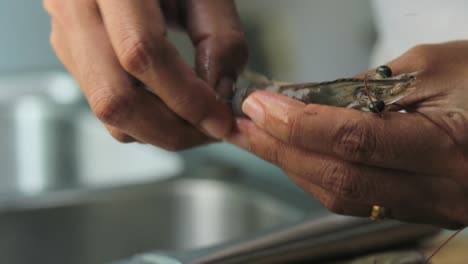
(415, 164)
(115, 48)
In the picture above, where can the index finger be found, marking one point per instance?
(399, 141)
(215, 29)
(137, 33)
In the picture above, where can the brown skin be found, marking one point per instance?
(115, 48)
(414, 164)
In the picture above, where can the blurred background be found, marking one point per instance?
(70, 194)
(299, 41)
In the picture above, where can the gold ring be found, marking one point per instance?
(378, 213)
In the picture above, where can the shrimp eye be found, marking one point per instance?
(377, 107)
(384, 71)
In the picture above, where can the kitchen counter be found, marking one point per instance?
(454, 252)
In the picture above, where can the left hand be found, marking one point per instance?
(133, 77)
(414, 164)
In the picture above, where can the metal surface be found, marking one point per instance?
(315, 239)
(104, 225)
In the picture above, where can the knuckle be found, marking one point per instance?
(110, 108)
(135, 55)
(355, 141)
(341, 181)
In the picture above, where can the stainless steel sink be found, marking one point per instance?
(99, 226)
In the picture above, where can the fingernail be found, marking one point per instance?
(279, 106)
(225, 87)
(254, 109)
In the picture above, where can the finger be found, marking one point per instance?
(345, 206)
(137, 33)
(215, 29)
(115, 97)
(399, 141)
(59, 43)
(330, 201)
(354, 182)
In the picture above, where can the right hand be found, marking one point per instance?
(115, 48)
(414, 164)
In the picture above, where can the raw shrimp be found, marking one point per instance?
(366, 94)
